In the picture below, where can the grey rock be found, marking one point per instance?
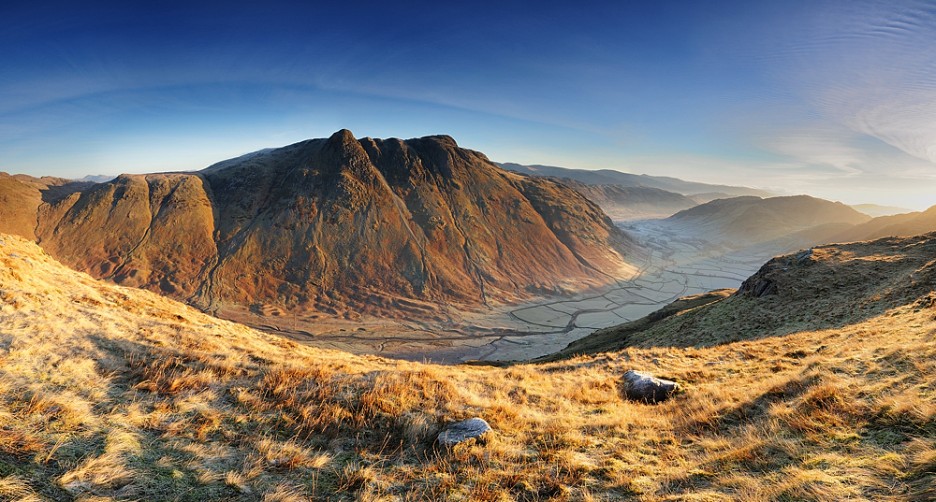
(459, 432)
(640, 386)
(804, 257)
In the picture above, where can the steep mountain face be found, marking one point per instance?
(700, 192)
(341, 226)
(742, 221)
(150, 231)
(21, 196)
(18, 205)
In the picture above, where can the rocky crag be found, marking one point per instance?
(341, 226)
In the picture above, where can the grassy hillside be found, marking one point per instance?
(825, 287)
(116, 393)
(914, 223)
(742, 221)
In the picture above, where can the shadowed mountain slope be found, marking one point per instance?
(341, 226)
(876, 210)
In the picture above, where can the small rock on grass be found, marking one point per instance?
(640, 386)
(460, 432)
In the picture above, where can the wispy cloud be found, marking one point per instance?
(813, 96)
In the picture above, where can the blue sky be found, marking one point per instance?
(835, 99)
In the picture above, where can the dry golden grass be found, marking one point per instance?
(111, 393)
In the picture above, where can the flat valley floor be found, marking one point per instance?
(677, 265)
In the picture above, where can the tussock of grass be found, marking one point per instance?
(114, 393)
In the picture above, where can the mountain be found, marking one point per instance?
(701, 192)
(817, 386)
(340, 226)
(97, 178)
(744, 221)
(18, 205)
(876, 210)
(623, 202)
(902, 225)
(21, 196)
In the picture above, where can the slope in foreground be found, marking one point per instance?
(116, 393)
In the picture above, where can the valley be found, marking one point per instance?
(708, 247)
(420, 249)
(675, 266)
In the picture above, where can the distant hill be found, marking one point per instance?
(744, 221)
(97, 178)
(622, 202)
(703, 192)
(337, 225)
(899, 225)
(876, 210)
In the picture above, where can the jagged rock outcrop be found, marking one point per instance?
(342, 226)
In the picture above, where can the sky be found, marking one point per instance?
(836, 99)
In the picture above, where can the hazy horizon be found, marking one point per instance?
(833, 99)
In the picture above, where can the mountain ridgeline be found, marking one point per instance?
(699, 192)
(625, 196)
(751, 220)
(338, 225)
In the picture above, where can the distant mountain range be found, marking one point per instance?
(907, 224)
(339, 225)
(623, 202)
(876, 210)
(700, 192)
(751, 220)
(390, 228)
(792, 222)
(626, 196)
